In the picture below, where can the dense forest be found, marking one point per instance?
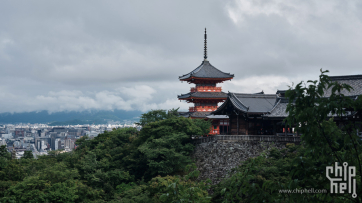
(154, 164)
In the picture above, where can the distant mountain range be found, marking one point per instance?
(70, 117)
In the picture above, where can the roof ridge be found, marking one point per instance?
(268, 101)
(222, 105)
(247, 107)
(256, 95)
(345, 77)
(218, 69)
(193, 71)
(199, 68)
(275, 105)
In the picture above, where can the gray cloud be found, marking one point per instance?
(128, 55)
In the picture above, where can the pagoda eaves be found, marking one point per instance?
(203, 96)
(206, 72)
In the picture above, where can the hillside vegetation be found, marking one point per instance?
(122, 165)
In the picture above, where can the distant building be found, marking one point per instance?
(7, 136)
(2, 142)
(69, 143)
(59, 129)
(75, 132)
(19, 133)
(53, 136)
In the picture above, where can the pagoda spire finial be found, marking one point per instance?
(205, 45)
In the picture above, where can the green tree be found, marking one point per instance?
(204, 125)
(4, 152)
(102, 161)
(168, 189)
(327, 137)
(180, 188)
(166, 145)
(55, 183)
(5, 156)
(156, 115)
(28, 155)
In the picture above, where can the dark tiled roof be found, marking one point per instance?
(218, 116)
(262, 92)
(251, 103)
(279, 110)
(254, 103)
(281, 91)
(206, 70)
(199, 114)
(355, 81)
(346, 77)
(195, 114)
(203, 95)
(184, 114)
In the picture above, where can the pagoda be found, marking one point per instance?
(206, 95)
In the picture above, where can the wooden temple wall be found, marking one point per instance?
(252, 126)
(243, 125)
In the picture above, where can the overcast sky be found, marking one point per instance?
(82, 55)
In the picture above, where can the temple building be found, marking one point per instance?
(263, 114)
(206, 95)
(246, 113)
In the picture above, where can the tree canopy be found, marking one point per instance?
(113, 166)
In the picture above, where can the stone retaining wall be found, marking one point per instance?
(215, 159)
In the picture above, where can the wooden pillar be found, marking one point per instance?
(237, 124)
(227, 126)
(286, 129)
(247, 127)
(274, 128)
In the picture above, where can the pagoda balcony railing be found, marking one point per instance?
(202, 108)
(205, 89)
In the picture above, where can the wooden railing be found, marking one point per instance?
(205, 89)
(259, 138)
(202, 108)
(286, 134)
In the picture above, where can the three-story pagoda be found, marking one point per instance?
(205, 95)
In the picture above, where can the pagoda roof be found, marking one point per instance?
(204, 95)
(206, 71)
